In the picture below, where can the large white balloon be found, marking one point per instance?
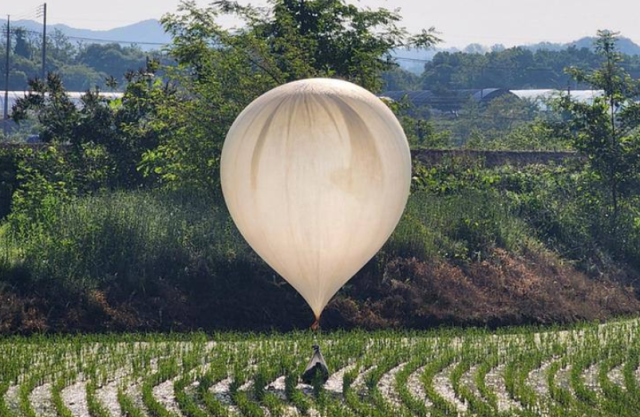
(316, 175)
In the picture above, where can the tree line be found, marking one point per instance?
(80, 65)
(515, 68)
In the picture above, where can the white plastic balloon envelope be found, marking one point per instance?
(316, 175)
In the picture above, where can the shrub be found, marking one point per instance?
(127, 239)
(8, 180)
(464, 226)
(167, 260)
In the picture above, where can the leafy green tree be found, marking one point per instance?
(45, 180)
(116, 132)
(607, 132)
(81, 67)
(506, 112)
(221, 71)
(418, 127)
(22, 46)
(398, 79)
(52, 107)
(422, 133)
(480, 125)
(79, 77)
(111, 59)
(59, 48)
(332, 38)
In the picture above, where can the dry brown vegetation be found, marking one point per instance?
(503, 290)
(533, 288)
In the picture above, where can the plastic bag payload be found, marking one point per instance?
(316, 370)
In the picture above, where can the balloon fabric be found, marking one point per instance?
(316, 174)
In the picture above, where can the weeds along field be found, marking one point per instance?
(589, 370)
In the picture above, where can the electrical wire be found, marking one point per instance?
(396, 58)
(25, 14)
(116, 41)
(96, 40)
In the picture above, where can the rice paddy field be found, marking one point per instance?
(589, 370)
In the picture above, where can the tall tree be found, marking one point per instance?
(221, 71)
(22, 46)
(121, 129)
(607, 131)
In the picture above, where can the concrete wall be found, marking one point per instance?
(434, 156)
(494, 158)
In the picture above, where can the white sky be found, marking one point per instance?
(461, 22)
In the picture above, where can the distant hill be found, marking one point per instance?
(625, 45)
(413, 60)
(147, 31)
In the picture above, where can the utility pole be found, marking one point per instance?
(44, 42)
(6, 79)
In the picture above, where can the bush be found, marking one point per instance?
(144, 260)
(464, 226)
(558, 206)
(130, 239)
(8, 179)
(166, 260)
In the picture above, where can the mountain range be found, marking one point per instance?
(148, 34)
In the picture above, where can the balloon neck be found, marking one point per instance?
(316, 325)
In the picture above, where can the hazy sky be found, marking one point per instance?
(460, 21)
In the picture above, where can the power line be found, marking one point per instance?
(7, 72)
(97, 40)
(402, 58)
(24, 15)
(42, 12)
(490, 67)
(633, 68)
(116, 41)
(399, 58)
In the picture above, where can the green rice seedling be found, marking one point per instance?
(415, 405)
(4, 409)
(217, 372)
(166, 369)
(200, 366)
(128, 406)
(60, 383)
(479, 378)
(293, 394)
(629, 372)
(96, 408)
(25, 390)
(616, 400)
(557, 393)
(578, 367)
(486, 361)
(441, 407)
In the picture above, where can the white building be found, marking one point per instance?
(542, 97)
(74, 95)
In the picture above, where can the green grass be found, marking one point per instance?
(128, 239)
(163, 260)
(133, 239)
